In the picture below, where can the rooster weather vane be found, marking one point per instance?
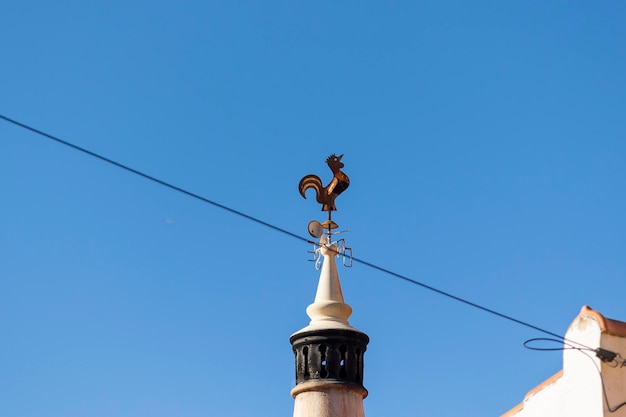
(326, 197)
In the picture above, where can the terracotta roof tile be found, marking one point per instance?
(610, 326)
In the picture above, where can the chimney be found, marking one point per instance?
(328, 352)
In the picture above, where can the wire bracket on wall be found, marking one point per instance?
(612, 359)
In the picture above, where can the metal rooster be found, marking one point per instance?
(326, 195)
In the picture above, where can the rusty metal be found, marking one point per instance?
(329, 225)
(326, 195)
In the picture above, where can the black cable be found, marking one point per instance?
(462, 300)
(151, 178)
(527, 345)
(276, 228)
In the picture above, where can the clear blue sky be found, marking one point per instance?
(485, 142)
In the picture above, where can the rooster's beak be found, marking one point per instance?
(339, 157)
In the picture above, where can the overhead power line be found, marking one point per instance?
(281, 230)
(151, 178)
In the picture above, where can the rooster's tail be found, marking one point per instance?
(311, 181)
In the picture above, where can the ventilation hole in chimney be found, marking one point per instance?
(342, 364)
(305, 353)
(323, 371)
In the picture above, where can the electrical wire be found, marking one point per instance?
(151, 178)
(462, 300)
(527, 345)
(281, 230)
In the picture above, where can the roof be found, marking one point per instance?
(513, 411)
(610, 326)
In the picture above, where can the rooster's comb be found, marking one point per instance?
(333, 158)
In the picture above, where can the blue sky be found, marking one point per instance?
(485, 146)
